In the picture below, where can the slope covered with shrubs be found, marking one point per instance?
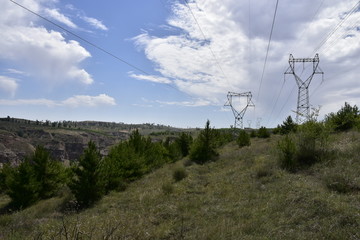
(301, 184)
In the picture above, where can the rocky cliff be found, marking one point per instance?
(18, 140)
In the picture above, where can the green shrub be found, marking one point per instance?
(22, 187)
(88, 184)
(223, 136)
(243, 139)
(130, 160)
(263, 133)
(346, 118)
(312, 142)
(306, 147)
(253, 134)
(37, 177)
(287, 126)
(173, 149)
(5, 173)
(179, 174)
(50, 174)
(184, 142)
(204, 147)
(287, 152)
(122, 165)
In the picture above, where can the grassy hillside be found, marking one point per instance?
(242, 195)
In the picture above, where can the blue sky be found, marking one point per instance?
(189, 57)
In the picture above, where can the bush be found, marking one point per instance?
(304, 148)
(253, 134)
(5, 172)
(38, 177)
(173, 149)
(50, 174)
(287, 151)
(88, 184)
(179, 174)
(184, 142)
(346, 118)
(122, 165)
(130, 160)
(243, 139)
(312, 140)
(287, 126)
(203, 149)
(22, 187)
(263, 133)
(223, 136)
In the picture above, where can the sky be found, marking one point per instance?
(173, 62)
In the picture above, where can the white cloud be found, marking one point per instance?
(44, 54)
(90, 101)
(95, 23)
(55, 14)
(41, 53)
(13, 15)
(15, 71)
(75, 101)
(8, 85)
(197, 103)
(187, 60)
(150, 78)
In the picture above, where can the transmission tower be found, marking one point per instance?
(249, 123)
(303, 106)
(258, 122)
(239, 115)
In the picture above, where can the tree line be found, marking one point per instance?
(93, 176)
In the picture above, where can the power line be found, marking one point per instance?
(326, 40)
(205, 39)
(81, 38)
(287, 100)
(95, 46)
(305, 30)
(267, 50)
(354, 8)
(276, 101)
(331, 43)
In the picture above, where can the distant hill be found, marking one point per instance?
(65, 140)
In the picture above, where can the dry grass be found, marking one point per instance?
(243, 195)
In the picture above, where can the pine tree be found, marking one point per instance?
(288, 126)
(88, 184)
(204, 147)
(37, 177)
(48, 173)
(184, 141)
(22, 186)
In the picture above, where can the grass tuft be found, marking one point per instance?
(179, 174)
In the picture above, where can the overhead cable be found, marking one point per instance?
(267, 50)
(205, 39)
(94, 45)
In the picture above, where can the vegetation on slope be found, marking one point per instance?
(245, 194)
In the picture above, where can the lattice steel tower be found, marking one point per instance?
(239, 115)
(303, 106)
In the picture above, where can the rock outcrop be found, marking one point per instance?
(17, 142)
